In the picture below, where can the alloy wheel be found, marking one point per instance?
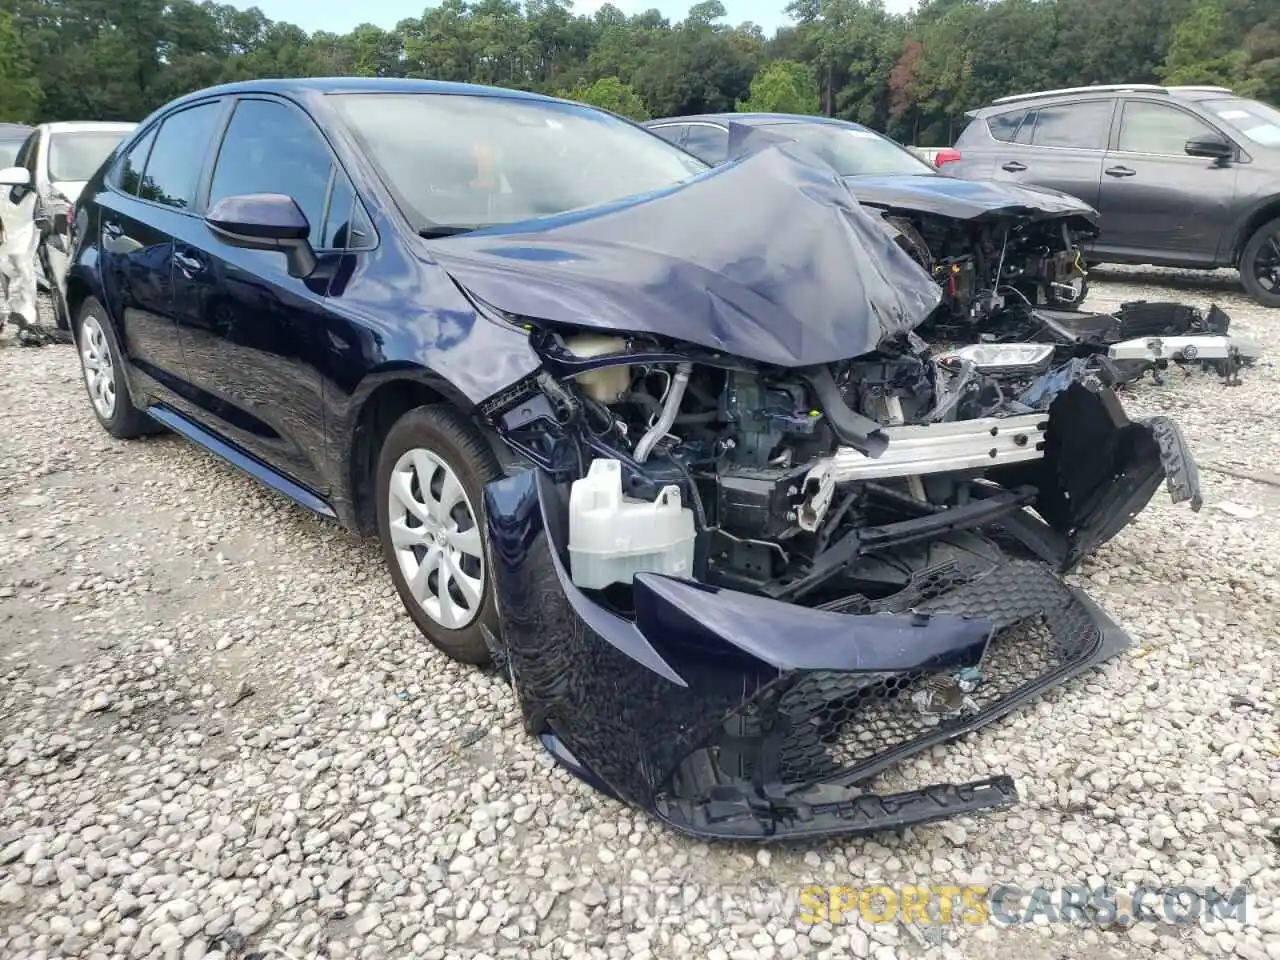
(1266, 264)
(99, 369)
(437, 539)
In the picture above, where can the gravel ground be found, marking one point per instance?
(219, 735)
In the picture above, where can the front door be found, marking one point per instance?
(262, 334)
(1157, 200)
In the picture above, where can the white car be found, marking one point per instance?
(60, 158)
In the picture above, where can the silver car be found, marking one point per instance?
(60, 158)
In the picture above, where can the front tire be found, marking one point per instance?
(102, 364)
(432, 471)
(1260, 265)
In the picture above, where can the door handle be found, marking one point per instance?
(1120, 172)
(112, 231)
(186, 264)
(1013, 166)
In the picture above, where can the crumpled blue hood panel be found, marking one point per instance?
(768, 259)
(967, 199)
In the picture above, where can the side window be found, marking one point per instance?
(670, 132)
(128, 173)
(1155, 128)
(1026, 128)
(177, 156)
(346, 225)
(708, 143)
(1084, 125)
(1004, 126)
(271, 147)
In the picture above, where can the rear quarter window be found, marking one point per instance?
(1004, 126)
(670, 132)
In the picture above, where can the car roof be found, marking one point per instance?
(757, 119)
(1107, 90)
(301, 87)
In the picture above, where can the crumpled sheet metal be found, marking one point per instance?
(18, 259)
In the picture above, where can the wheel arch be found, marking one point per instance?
(78, 291)
(382, 400)
(1266, 211)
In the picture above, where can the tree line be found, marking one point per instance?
(911, 75)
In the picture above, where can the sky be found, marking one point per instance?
(339, 17)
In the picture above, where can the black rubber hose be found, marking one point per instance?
(851, 428)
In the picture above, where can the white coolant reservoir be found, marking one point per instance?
(612, 537)
(608, 383)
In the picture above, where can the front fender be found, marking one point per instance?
(1257, 213)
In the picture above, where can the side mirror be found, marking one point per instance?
(265, 221)
(1212, 146)
(15, 177)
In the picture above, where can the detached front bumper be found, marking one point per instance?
(1231, 349)
(1143, 336)
(732, 716)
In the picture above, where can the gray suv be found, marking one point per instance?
(1181, 176)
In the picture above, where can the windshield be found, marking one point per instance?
(853, 152)
(78, 155)
(460, 162)
(1259, 122)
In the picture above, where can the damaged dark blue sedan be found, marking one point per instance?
(655, 439)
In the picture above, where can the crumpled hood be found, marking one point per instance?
(967, 199)
(768, 259)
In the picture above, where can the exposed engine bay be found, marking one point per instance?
(988, 263)
(796, 484)
(1009, 279)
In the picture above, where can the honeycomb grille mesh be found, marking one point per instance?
(845, 725)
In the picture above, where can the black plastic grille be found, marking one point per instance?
(851, 725)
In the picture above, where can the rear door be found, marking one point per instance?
(1059, 145)
(263, 336)
(149, 198)
(1157, 201)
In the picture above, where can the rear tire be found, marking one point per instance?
(102, 365)
(1261, 255)
(432, 471)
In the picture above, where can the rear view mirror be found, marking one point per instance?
(15, 177)
(265, 221)
(1213, 146)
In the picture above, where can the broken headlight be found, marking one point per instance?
(1008, 358)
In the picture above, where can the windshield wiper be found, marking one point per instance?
(434, 233)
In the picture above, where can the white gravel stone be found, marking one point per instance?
(222, 733)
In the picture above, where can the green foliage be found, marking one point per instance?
(911, 75)
(783, 86)
(1202, 49)
(20, 92)
(610, 93)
